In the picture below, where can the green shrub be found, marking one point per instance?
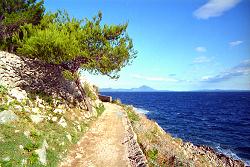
(117, 101)
(3, 90)
(100, 109)
(132, 115)
(42, 95)
(69, 76)
(89, 92)
(152, 154)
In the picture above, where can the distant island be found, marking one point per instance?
(143, 88)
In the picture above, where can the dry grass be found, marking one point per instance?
(162, 149)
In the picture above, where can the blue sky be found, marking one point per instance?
(182, 45)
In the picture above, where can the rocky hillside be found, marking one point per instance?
(162, 149)
(41, 114)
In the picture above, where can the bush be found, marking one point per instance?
(152, 154)
(89, 92)
(132, 115)
(117, 101)
(3, 90)
(100, 109)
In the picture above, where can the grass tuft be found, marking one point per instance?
(132, 115)
(100, 109)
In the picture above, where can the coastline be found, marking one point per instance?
(161, 148)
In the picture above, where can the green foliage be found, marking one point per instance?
(89, 92)
(133, 117)
(96, 89)
(15, 13)
(100, 109)
(68, 75)
(42, 95)
(117, 101)
(3, 90)
(75, 44)
(6, 106)
(152, 154)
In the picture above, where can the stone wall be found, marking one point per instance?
(35, 76)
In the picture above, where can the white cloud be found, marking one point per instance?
(201, 49)
(154, 78)
(241, 69)
(214, 8)
(235, 43)
(201, 59)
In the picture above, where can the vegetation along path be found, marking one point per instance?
(103, 144)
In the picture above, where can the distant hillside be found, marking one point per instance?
(143, 88)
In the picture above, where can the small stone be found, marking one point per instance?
(35, 110)
(21, 147)
(24, 162)
(42, 153)
(38, 101)
(62, 122)
(79, 128)
(6, 159)
(36, 118)
(18, 94)
(58, 111)
(69, 137)
(54, 119)
(78, 156)
(27, 109)
(7, 116)
(17, 107)
(26, 133)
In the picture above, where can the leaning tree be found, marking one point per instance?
(15, 13)
(74, 44)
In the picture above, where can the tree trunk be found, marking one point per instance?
(85, 98)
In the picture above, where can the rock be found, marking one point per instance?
(17, 107)
(36, 118)
(69, 138)
(27, 109)
(58, 111)
(79, 128)
(39, 101)
(42, 153)
(27, 133)
(35, 110)
(18, 93)
(62, 122)
(21, 147)
(16, 131)
(54, 119)
(24, 162)
(6, 159)
(7, 116)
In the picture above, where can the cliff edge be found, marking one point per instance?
(161, 149)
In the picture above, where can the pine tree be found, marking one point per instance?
(15, 13)
(78, 44)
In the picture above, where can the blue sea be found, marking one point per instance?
(217, 119)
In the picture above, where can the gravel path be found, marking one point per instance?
(103, 144)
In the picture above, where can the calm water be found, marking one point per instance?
(220, 120)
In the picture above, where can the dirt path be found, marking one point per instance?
(102, 145)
